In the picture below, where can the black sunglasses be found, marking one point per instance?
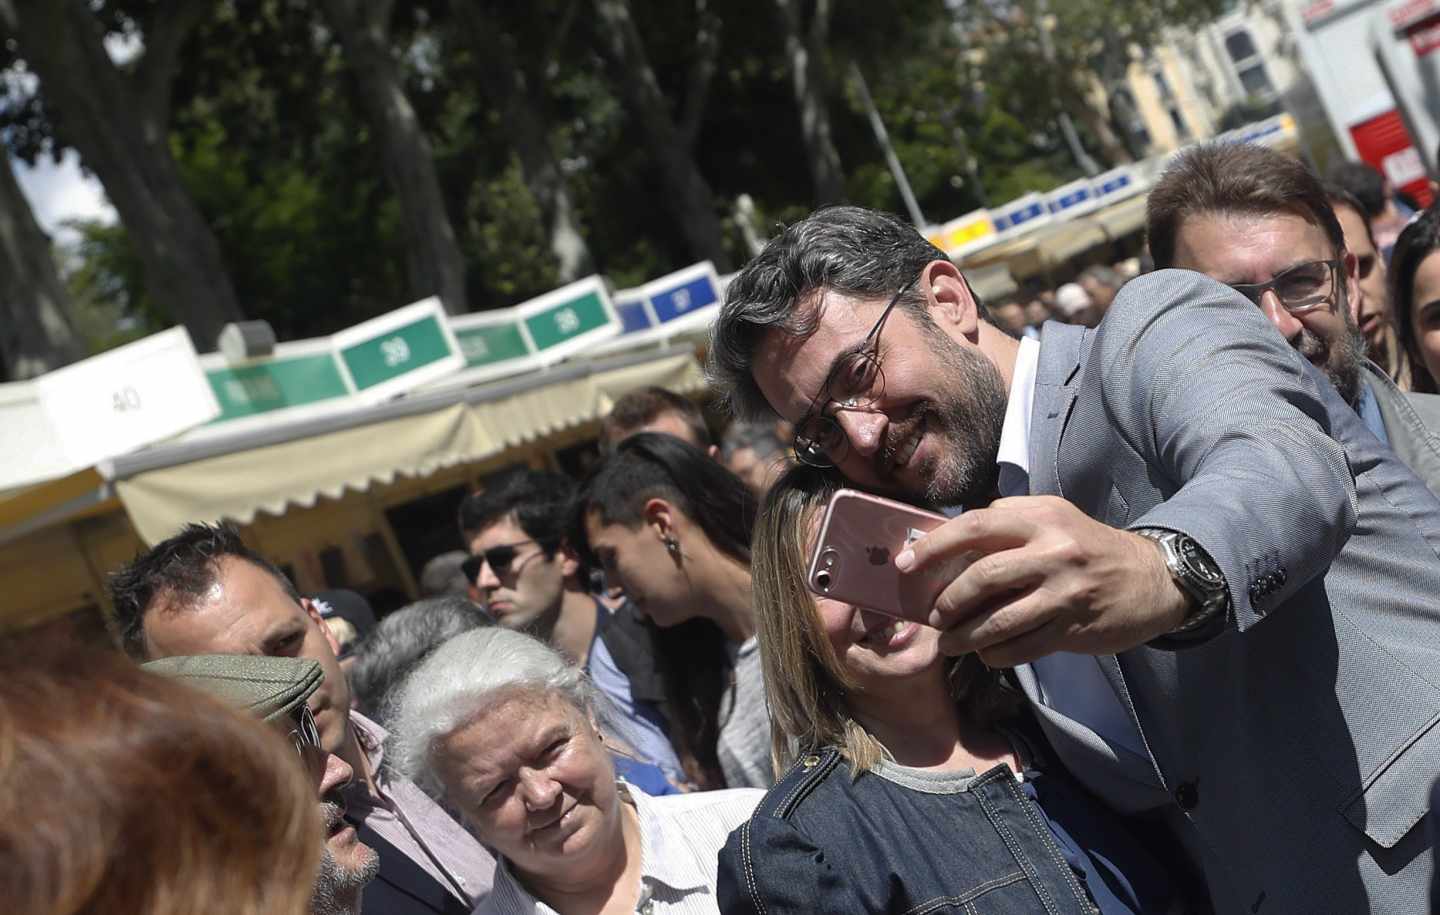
(499, 558)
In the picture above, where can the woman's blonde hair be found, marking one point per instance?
(804, 680)
(123, 791)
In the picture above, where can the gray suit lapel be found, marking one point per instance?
(1120, 776)
(1062, 352)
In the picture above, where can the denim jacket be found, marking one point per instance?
(915, 842)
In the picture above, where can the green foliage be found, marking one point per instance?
(272, 144)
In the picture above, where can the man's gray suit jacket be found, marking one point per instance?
(1292, 753)
(1410, 423)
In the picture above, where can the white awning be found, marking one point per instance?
(272, 469)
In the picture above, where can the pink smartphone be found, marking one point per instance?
(854, 556)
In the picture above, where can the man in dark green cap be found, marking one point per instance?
(275, 690)
(204, 592)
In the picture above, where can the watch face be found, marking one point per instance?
(1199, 564)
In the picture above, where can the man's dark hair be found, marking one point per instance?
(1364, 183)
(1233, 178)
(850, 250)
(177, 572)
(639, 408)
(539, 500)
(1339, 197)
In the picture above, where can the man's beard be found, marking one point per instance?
(337, 889)
(1341, 363)
(966, 415)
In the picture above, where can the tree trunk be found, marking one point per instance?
(685, 189)
(803, 48)
(505, 83)
(434, 262)
(35, 331)
(118, 124)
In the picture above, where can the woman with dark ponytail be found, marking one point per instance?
(672, 527)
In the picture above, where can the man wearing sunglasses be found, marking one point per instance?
(204, 592)
(530, 581)
(1263, 224)
(275, 690)
(1208, 576)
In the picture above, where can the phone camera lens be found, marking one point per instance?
(827, 558)
(822, 580)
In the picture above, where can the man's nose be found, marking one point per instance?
(337, 774)
(487, 580)
(865, 429)
(1275, 310)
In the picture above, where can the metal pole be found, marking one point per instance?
(891, 159)
(1067, 126)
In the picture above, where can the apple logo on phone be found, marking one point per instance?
(878, 555)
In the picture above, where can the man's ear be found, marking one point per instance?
(659, 516)
(313, 612)
(1350, 273)
(569, 560)
(951, 303)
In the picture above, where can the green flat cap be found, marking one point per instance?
(268, 688)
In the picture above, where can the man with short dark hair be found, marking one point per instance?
(204, 591)
(531, 581)
(1371, 308)
(656, 409)
(1384, 211)
(1261, 222)
(275, 690)
(1206, 573)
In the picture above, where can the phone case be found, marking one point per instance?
(854, 556)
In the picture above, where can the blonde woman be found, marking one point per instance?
(913, 785)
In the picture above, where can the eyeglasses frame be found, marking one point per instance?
(870, 350)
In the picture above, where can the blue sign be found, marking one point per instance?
(684, 299)
(633, 316)
(1112, 184)
(1065, 200)
(1024, 214)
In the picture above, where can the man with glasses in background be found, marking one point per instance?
(275, 690)
(530, 581)
(1208, 576)
(204, 592)
(1263, 224)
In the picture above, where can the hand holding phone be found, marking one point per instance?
(853, 559)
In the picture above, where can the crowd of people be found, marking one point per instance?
(1182, 656)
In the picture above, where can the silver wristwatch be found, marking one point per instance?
(1196, 574)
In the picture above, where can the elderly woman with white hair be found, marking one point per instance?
(506, 729)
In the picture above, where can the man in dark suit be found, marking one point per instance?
(1207, 573)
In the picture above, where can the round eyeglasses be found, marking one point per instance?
(855, 382)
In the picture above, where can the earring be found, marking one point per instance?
(672, 546)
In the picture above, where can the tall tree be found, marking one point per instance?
(687, 193)
(510, 87)
(805, 49)
(435, 263)
(116, 118)
(36, 334)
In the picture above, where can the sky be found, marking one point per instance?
(60, 192)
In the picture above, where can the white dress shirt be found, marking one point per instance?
(1071, 684)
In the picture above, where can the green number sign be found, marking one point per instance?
(566, 320)
(395, 352)
(275, 385)
(492, 344)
